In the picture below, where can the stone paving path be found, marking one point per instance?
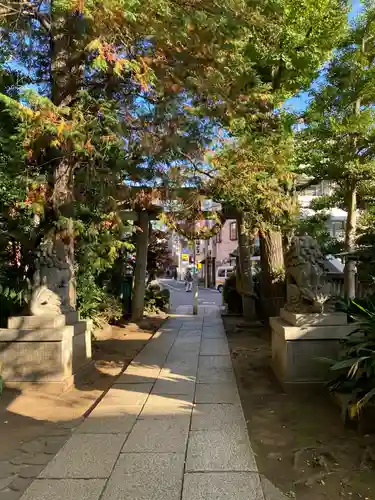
(171, 428)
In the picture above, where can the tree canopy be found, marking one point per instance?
(337, 143)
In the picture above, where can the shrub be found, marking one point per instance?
(231, 296)
(156, 298)
(14, 294)
(355, 369)
(96, 303)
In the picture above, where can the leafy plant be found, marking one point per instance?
(354, 372)
(96, 303)
(14, 294)
(231, 295)
(156, 299)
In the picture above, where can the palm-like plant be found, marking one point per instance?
(355, 369)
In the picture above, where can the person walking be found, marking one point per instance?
(188, 280)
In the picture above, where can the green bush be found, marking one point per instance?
(354, 371)
(156, 298)
(96, 303)
(14, 294)
(231, 296)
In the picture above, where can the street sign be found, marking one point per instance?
(185, 257)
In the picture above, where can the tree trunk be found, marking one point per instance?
(272, 286)
(245, 252)
(350, 239)
(63, 207)
(138, 301)
(66, 75)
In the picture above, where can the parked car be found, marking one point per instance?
(222, 273)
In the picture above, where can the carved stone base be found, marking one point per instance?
(298, 339)
(45, 352)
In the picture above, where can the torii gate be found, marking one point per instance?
(142, 205)
(146, 204)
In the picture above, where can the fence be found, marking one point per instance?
(363, 288)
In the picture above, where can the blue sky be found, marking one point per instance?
(300, 102)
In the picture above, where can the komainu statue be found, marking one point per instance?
(45, 302)
(306, 286)
(51, 285)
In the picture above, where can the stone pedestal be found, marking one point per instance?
(298, 339)
(46, 352)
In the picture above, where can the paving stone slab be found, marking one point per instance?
(187, 341)
(213, 333)
(191, 327)
(139, 374)
(183, 369)
(161, 406)
(182, 358)
(86, 456)
(162, 343)
(127, 394)
(64, 489)
(146, 476)
(217, 393)
(110, 420)
(220, 450)
(158, 436)
(214, 347)
(174, 386)
(215, 362)
(156, 358)
(182, 353)
(215, 416)
(222, 486)
(127, 378)
(178, 374)
(216, 376)
(189, 333)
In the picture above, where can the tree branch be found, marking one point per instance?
(27, 9)
(196, 168)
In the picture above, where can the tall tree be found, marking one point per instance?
(113, 81)
(253, 175)
(338, 143)
(287, 54)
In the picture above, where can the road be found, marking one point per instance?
(179, 297)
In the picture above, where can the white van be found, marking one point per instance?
(222, 274)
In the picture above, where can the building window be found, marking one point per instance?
(233, 236)
(218, 237)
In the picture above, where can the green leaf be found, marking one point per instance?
(327, 361)
(366, 399)
(100, 63)
(346, 363)
(94, 45)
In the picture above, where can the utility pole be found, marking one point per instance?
(206, 284)
(179, 258)
(195, 281)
